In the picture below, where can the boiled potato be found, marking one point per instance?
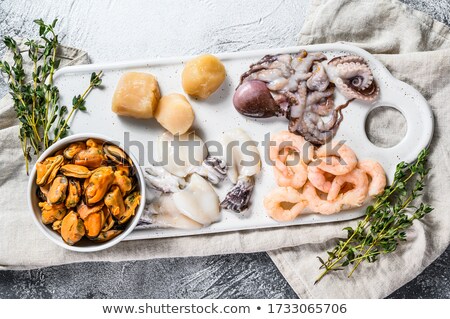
(137, 95)
(175, 113)
(202, 76)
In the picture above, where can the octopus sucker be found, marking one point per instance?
(301, 87)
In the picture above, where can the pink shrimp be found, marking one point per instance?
(336, 158)
(284, 204)
(297, 173)
(318, 178)
(317, 204)
(284, 142)
(376, 174)
(354, 197)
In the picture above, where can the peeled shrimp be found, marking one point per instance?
(317, 204)
(293, 201)
(336, 158)
(377, 175)
(297, 173)
(284, 142)
(317, 177)
(354, 197)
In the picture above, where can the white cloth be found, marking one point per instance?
(414, 47)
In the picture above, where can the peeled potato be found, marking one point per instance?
(202, 76)
(137, 95)
(175, 113)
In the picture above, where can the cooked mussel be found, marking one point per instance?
(114, 202)
(92, 157)
(72, 228)
(123, 181)
(93, 224)
(51, 213)
(85, 184)
(99, 183)
(73, 193)
(59, 152)
(109, 220)
(131, 202)
(58, 190)
(42, 192)
(116, 155)
(76, 171)
(46, 171)
(84, 210)
(73, 149)
(124, 170)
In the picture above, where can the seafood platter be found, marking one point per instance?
(224, 142)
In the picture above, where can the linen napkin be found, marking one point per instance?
(293, 249)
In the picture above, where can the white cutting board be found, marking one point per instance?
(217, 115)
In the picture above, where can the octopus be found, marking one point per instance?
(301, 87)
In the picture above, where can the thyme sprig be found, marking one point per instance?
(385, 222)
(36, 101)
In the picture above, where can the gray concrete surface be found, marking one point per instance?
(84, 24)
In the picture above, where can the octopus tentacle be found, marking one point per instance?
(316, 96)
(346, 59)
(353, 78)
(319, 80)
(260, 65)
(298, 107)
(302, 63)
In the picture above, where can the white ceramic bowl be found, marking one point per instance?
(83, 245)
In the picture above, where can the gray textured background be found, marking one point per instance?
(92, 26)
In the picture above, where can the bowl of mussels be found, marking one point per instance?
(86, 193)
